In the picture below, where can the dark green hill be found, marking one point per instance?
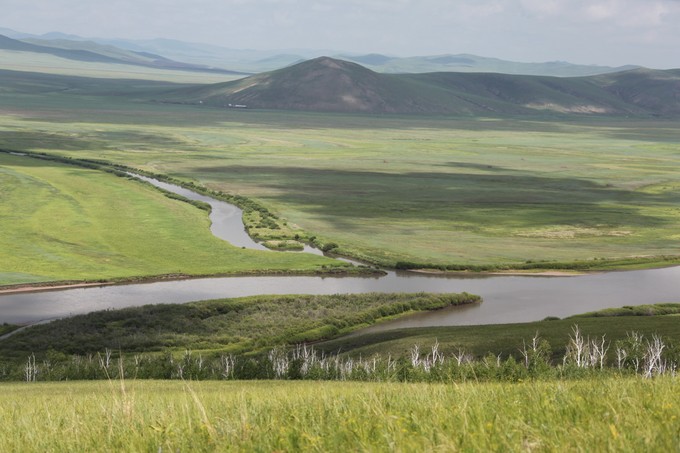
(657, 92)
(326, 84)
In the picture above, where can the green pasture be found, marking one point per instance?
(62, 222)
(609, 414)
(431, 190)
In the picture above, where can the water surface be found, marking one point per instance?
(507, 299)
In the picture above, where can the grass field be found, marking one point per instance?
(613, 414)
(62, 222)
(389, 189)
(504, 339)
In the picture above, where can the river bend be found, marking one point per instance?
(507, 299)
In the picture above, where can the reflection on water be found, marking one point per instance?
(507, 299)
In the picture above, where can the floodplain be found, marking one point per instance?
(425, 191)
(66, 223)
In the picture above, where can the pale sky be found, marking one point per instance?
(605, 32)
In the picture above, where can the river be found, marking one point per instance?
(507, 299)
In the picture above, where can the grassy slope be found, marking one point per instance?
(68, 223)
(325, 84)
(456, 190)
(504, 339)
(595, 415)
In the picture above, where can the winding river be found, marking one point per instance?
(507, 299)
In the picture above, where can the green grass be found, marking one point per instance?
(7, 328)
(62, 222)
(503, 339)
(613, 414)
(430, 190)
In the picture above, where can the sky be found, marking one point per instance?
(604, 32)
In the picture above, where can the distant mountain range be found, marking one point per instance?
(91, 52)
(379, 84)
(332, 85)
(172, 54)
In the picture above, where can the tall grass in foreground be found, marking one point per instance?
(614, 414)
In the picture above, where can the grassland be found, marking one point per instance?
(613, 414)
(62, 222)
(436, 191)
(505, 339)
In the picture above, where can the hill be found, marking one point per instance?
(476, 63)
(88, 51)
(256, 61)
(327, 84)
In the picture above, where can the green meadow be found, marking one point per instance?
(612, 414)
(61, 222)
(432, 191)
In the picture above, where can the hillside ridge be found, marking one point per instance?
(334, 85)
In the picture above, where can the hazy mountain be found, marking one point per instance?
(71, 54)
(90, 51)
(256, 61)
(474, 63)
(326, 84)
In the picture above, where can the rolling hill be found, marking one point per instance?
(256, 61)
(91, 52)
(327, 84)
(475, 63)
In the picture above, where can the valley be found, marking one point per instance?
(544, 197)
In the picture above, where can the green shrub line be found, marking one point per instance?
(580, 265)
(252, 338)
(241, 325)
(637, 310)
(584, 358)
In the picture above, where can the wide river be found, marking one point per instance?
(507, 299)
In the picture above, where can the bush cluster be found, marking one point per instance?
(584, 358)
